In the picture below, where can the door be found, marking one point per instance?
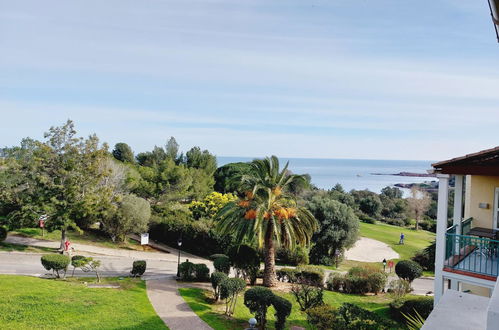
(496, 208)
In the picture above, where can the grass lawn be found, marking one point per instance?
(413, 242)
(24, 248)
(34, 303)
(89, 236)
(213, 314)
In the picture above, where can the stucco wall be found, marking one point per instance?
(480, 189)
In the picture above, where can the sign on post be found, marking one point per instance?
(144, 238)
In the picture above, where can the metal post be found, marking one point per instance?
(178, 264)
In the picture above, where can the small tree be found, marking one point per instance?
(307, 294)
(56, 262)
(258, 299)
(216, 279)
(92, 265)
(229, 290)
(78, 262)
(408, 270)
(419, 203)
(222, 264)
(246, 262)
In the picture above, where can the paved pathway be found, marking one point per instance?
(370, 250)
(171, 307)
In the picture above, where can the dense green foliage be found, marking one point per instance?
(246, 261)
(229, 290)
(408, 270)
(3, 233)
(222, 264)
(138, 268)
(410, 306)
(360, 280)
(295, 256)
(56, 263)
(426, 257)
(339, 227)
(322, 317)
(307, 296)
(123, 153)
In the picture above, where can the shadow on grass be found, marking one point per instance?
(24, 248)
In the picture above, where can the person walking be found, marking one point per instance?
(401, 242)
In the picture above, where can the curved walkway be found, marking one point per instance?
(370, 250)
(171, 307)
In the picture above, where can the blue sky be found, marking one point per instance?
(317, 78)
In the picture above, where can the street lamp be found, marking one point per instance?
(494, 13)
(252, 322)
(179, 243)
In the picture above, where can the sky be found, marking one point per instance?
(365, 79)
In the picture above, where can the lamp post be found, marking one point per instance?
(179, 243)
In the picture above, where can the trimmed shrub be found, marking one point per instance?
(56, 262)
(287, 275)
(78, 262)
(138, 268)
(307, 296)
(258, 299)
(186, 271)
(422, 305)
(322, 317)
(229, 289)
(222, 264)
(376, 282)
(408, 270)
(201, 273)
(3, 233)
(216, 279)
(352, 317)
(356, 284)
(216, 256)
(282, 308)
(311, 275)
(399, 288)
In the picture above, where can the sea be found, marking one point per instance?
(358, 174)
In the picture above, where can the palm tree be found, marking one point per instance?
(268, 213)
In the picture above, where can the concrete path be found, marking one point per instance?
(21, 240)
(171, 307)
(370, 250)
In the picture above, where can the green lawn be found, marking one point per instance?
(34, 303)
(200, 302)
(24, 248)
(90, 237)
(413, 242)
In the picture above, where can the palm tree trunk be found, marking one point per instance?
(269, 279)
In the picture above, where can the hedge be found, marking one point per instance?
(194, 272)
(201, 273)
(311, 274)
(287, 275)
(422, 305)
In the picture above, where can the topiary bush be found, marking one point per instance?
(138, 268)
(78, 262)
(322, 317)
(229, 290)
(201, 273)
(56, 262)
(409, 306)
(408, 270)
(186, 271)
(222, 264)
(246, 261)
(282, 308)
(216, 279)
(3, 233)
(258, 299)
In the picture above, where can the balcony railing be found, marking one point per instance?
(471, 254)
(466, 226)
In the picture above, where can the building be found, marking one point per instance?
(467, 252)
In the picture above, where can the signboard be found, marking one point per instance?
(42, 223)
(144, 238)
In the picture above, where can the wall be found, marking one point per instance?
(475, 289)
(480, 189)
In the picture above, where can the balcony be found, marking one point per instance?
(471, 255)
